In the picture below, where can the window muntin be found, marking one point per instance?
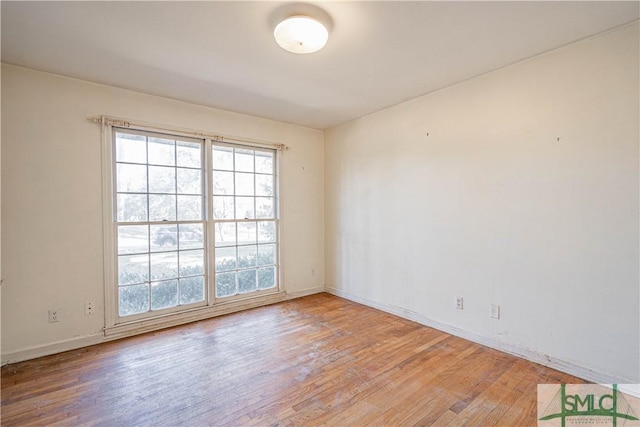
(160, 229)
(245, 219)
(178, 246)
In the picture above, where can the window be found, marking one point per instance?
(244, 214)
(177, 247)
(159, 222)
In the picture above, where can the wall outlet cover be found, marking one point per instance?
(494, 311)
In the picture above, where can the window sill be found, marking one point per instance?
(174, 319)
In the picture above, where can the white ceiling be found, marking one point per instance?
(222, 54)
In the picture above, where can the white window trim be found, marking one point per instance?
(214, 307)
(212, 222)
(169, 310)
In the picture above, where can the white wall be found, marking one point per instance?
(467, 192)
(52, 205)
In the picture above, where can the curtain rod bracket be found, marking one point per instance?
(111, 122)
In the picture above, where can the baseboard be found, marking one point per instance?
(305, 292)
(525, 353)
(152, 325)
(135, 328)
(53, 348)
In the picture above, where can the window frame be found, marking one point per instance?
(110, 228)
(150, 223)
(275, 219)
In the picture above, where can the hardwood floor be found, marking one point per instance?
(318, 360)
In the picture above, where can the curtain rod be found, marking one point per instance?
(139, 125)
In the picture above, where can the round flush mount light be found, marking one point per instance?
(301, 34)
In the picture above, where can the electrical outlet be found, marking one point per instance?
(89, 308)
(459, 305)
(495, 311)
(54, 316)
(313, 272)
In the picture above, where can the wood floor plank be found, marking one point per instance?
(317, 360)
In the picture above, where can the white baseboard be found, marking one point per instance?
(52, 348)
(123, 331)
(305, 292)
(525, 353)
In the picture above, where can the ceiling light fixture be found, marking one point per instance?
(301, 34)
